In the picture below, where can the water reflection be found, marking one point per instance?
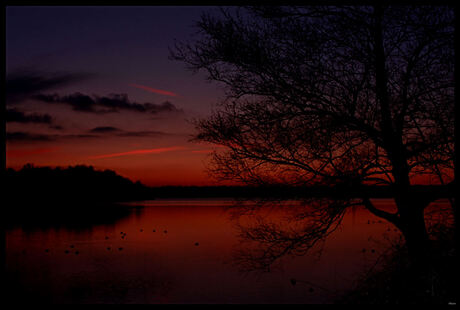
(67, 215)
(189, 251)
(286, 228)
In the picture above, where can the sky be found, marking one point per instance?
(95, 86)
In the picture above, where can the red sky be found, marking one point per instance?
(156, 156)
(174, 165)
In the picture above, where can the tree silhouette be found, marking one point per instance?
(333, 95)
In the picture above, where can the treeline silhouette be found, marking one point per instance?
(76, 197)
(73, 184)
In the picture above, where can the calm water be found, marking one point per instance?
(185, 251)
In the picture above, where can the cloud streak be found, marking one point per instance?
(104, 129)
(139, 152)
(105, 104)
(154, 90)
(21, 136)
(97, 132)
(114, 131)
(22, 84)
(16, 116)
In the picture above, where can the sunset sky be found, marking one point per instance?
(94, 86)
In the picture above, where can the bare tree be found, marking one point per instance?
(328, 95)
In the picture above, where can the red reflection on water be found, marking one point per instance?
(182, 252)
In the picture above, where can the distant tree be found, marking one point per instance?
(333, 95)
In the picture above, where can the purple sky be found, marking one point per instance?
(113, 50)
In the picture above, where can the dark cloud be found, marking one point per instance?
(16, 116)
(122, 133)
(20, 136)
(77, 101)
(22, 84)
(166, 107)
(106, 104)
(84, 136)
(98, 132)
(121, 101)
(26, 137)
(104, 130)
(142, 134)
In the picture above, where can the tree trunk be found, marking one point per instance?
(412, 225)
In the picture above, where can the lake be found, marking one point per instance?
(189, 251)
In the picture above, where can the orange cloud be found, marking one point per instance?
(153, 90)
(138, 152)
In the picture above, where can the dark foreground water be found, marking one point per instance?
(188, 251)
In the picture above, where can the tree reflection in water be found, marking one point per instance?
(271, 230)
